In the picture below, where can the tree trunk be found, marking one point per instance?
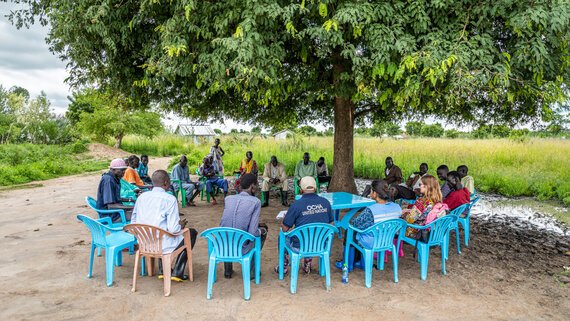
(118, 139)
(343, 160)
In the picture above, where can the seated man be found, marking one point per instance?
(274, 175)
(131, 175)
(142, 170)
(442, 175)
(413, 182)
(460, 195)
(310, 208)
(248, 166)
(182, 172)
(466, 181)
(393, 173)
(109, 191)
(160, 209)
(322, 171)
(305, 167)
(242, 212)
(207, 170)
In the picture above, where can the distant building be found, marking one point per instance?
(199, 134)
(282, 134)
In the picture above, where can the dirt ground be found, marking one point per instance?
(44, 259)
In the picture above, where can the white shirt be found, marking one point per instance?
(160, 209)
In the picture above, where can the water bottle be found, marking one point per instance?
(344, 274)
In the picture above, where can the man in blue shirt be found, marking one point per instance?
(310, 208)
(209, 171)
(109, 191)
(242, 212)
(142, 170)
(182, 172)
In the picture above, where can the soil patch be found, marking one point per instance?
(106, 152)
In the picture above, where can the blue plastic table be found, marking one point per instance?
(343, 200)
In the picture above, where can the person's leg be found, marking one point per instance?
(324, 179)
(265, 186)
(188, 188)
(223, 184)
(210, 189)
(284, 187)
(182, 259)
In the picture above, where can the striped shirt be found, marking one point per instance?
(371, 215)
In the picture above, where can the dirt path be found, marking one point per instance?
(44, 257)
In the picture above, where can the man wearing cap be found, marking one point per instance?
(109, 191)
(310, 208)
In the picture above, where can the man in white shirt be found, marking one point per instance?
(160, 209)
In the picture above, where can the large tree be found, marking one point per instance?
(270, 61)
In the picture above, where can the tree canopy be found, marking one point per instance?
(275, 61)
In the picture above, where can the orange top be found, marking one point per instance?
(131, 176)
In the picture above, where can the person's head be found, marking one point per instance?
(217, 142)
(306, 158)
(160, 179)
(429, 186)
(379, 192)
(206, 160)
(133, 161)
(248, 183)
(183, 160)
(274, 160)
(442, 172)
(249, 155)
(118, 167)
(389, 162)
(144, 159)
(391, 191)
(321, 161)
(423, 168)
(454, 180)
(462, 170)
(308, 185)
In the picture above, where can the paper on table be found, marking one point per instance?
(281, 214)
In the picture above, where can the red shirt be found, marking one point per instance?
(457, 198)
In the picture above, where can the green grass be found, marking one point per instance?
(534, 167)
(24, 163)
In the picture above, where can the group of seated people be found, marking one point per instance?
(242, 211)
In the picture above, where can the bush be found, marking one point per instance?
(452, 133)
(434, 130)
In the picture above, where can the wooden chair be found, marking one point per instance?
(150, 246)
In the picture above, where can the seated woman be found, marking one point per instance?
(248, 166)
(430, 202)
(384, 209)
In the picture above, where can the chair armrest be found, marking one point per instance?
(105, 221)
(420, 227)
(355, 229)
(184, 230)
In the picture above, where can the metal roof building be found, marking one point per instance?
(200, 134)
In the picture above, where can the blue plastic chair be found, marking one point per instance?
(93, 204)
(438, 236)
(465, 220)
(113, 243)
(456, 212)
(225, 245)
(384, 233)
(314, 240)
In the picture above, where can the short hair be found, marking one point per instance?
(159, 177)
(422, 164)
(378, 186)
(246, 180)
(443, 167)
(144, 156)
(454, 174)
(131, 159)
(461, 167)
(321, 158)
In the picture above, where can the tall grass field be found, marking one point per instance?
(535, 167)
(24, 163)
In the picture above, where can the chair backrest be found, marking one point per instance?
(458, 210)
(149, 237)
(440, 228)
(91, 202)
(384, 233)
(97, 229)
(226, 242)
(470, 205)
(313, 237)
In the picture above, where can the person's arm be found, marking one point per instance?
(173, 218)
(222, 153)
(364, 220)
(326, 170)
(314, 170)
(254, 169)
(266, 175)
(297, 173)
(288, 220)
(398, 176)
(282, 173)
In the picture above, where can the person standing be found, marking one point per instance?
(393, 173)
(160, 209)
(274, 175)
(182, 172)
(217, 152)
(242, 212)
